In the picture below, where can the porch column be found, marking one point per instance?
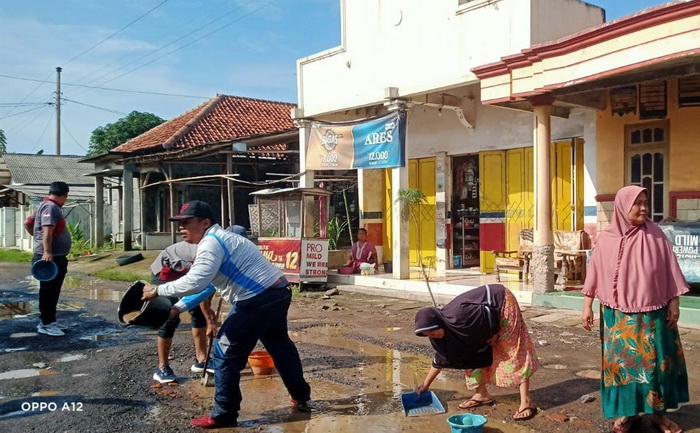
(441, 173)
(99, 211)
(399, 225)
(128, 205)
(229, 190)
(542, 263)
(307, 178)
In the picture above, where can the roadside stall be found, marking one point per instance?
(290, 224)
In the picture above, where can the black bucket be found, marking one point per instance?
(152, 314)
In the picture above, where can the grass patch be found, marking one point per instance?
(17, 256)
(116, 274)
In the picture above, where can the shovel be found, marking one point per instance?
(208, 379)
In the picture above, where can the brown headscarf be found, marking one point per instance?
(633, 268)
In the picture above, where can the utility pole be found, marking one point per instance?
(58, 110)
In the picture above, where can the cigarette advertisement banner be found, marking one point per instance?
(372, 143)
(283, 253)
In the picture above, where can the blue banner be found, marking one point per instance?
(380, 143)
(369, 143)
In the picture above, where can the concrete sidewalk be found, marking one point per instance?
(456, 282)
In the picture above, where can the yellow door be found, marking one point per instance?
(421, 175)
(578, 189)
(492, 206)
(520, 206)
(567, 184)
(386, 216)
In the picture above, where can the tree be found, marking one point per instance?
(106, 138)
(3, 143)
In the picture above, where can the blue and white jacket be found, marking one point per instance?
(230, 262)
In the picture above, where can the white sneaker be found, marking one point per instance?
(50, 329)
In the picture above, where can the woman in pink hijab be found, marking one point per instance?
(637, 280)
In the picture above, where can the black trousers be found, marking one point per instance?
(49, 291)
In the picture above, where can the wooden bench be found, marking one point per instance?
(518, 261)
(570, 255)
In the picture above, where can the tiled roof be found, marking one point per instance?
(44, 169)
(220, 119)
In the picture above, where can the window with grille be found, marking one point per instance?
(689, 91)
(652, 100)
(647, 162)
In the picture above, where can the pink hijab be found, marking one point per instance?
(633, 268)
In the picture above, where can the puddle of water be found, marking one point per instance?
(370, 400)
(69, 358)
(14, 309)
(94, 293)
(24, 373)
(589, 374)
(16, 349)
(45, 394)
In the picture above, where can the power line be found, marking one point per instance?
(160, 49)
(32, 92)
(189, 43)
(42, 132)
(21, 104)
(107, 88)
(71, 136)
(23, 112)
(174, 29)
(116, 33)
(27, 120)
(96, 107)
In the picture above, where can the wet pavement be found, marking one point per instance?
(358, 351)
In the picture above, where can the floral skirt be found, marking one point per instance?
(514, 358)
(643, 367)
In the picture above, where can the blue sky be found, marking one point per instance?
(182, 47)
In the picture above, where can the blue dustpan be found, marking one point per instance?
(427, 402)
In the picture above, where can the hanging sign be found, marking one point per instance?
(370, 143)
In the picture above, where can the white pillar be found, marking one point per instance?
(542, 264)
(399, 225)
(441, 178)
(99, 211)
(128, 206)
(307, 178)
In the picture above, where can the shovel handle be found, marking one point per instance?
(211, 339)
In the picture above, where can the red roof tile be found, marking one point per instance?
(221, 118)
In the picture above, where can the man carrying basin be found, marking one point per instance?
(52, 243)
(260, 298)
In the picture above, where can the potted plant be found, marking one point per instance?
(336, 257)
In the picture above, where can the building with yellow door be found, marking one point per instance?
(641, 74)
(473, 162)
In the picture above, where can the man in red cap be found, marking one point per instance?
(260, 298)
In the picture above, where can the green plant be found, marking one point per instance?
(335, 228)
(296, 289)
(410, 201)
(117, 274)
(16, 256)
(78, 242)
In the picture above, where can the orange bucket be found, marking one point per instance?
(261, 363)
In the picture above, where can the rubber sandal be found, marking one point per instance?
(472, 403)
(530, 411)
(624, 426)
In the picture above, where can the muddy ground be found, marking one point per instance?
(358, 351)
